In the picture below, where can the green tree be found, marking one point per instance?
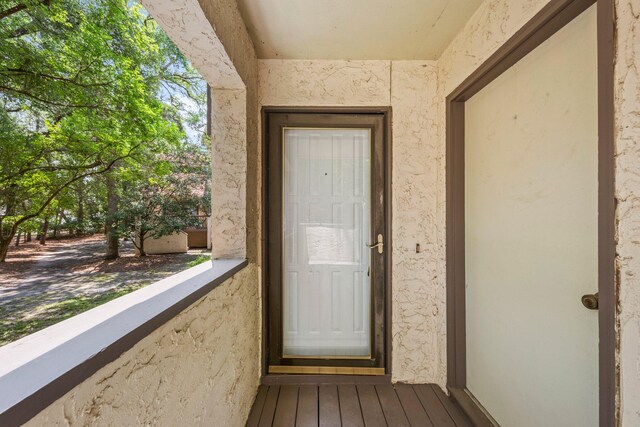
(84, 85)
(164, 196)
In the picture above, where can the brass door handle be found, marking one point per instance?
(591, 301)
(379, 245)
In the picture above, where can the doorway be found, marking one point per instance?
(530, 208)
(531, 228)
(327, 243)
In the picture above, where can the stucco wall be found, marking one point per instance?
(409, 87)
(627, 100)
(225, 18)
(200, 368)
(171, 244)
(228, 109)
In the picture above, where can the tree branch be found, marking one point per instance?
(58, 104)
(19, 8)
(12, 10)
(74, 81)
(57, 191)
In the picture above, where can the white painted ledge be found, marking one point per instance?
(34, 369)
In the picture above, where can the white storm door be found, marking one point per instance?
(326, 286)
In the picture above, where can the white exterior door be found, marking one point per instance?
(327, 211)
(326, 181)
(531, 190)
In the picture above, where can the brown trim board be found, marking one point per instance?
(607, 277)
(386, 113)
(471, 407)
(551, 18)
(32, 405)
(279, 362)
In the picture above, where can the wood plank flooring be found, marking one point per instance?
(362, 405)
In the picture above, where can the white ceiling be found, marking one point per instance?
(354, 29)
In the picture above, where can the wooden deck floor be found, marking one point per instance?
(354, 406)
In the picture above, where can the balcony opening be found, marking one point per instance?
(105, 163)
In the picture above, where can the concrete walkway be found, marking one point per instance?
(36, 276)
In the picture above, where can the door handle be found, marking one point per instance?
(379, 244)
(591, 301)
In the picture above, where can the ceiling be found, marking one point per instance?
(354, 29)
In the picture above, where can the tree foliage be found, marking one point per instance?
(84, 85)
(164, 196)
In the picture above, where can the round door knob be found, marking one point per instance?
(590, 301)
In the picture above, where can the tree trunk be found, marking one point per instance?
(18, 238)
(113, 243)
(141, 246)
(80, 230)
(4, 248)
(56, 224)
(28, 237)
(6, 236)
(45, 229)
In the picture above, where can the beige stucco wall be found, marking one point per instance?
(200, 368)
(409, 87)
(236, 221)
(225, 18)
(171, 244)
(627, 101)
(228, 109)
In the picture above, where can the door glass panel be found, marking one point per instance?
(531, 187)
(326, 229)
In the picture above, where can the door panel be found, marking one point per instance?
(326, 202)
(327, 211)
(531, 188)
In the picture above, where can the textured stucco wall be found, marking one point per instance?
(224, 16)
(419, 328)
(200, 368)
(228, 173)
(187, 25)
(627, 100)
(230, 28)
(489, 27)
(324, 83)
(409, 87)
(171, 244)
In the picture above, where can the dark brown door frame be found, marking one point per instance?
(385, 112)
(555, 15)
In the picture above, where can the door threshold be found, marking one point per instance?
(327, 370)
(303, 379)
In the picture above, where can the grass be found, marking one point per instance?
(26, 316)
(199, 260)
(51, 314)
